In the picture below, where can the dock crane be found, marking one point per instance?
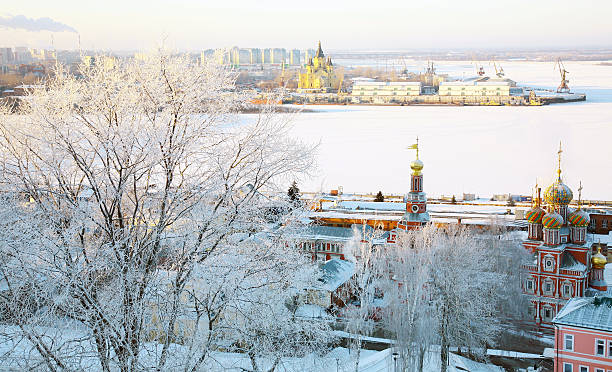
(340, 85)
(405, 71)
(563, 87)
(498, 71)
(479, 69)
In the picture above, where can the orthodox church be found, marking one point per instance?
(319, 75)
(565, 264)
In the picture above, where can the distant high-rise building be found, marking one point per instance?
(222, 56)
(22, 55)
(308, 54)
(278, 55)
(266, 56)
(106, 62)
(255, 56)
(244, 56)
(234, 56)
(6, 55)
(294, 57)
(207, 55)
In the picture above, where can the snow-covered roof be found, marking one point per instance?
(593, 312)
(569, 262)
(336, 272)
(318, 232)
(392, 83)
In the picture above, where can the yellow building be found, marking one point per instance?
(319, 75)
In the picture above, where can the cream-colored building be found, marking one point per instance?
(386, 89)
(483, 86)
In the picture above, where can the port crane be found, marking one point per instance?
(498, 71)
(340, 85)
(405, 71)
(431, 70)
(479, 69)
(563, 87)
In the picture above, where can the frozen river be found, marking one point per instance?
(481, 150)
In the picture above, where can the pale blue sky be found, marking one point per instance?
(341, 24)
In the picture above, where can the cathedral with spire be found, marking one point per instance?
(566, 263)
(319, 76)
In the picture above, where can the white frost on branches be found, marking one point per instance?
(127, 194)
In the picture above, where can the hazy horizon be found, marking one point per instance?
(192, 25)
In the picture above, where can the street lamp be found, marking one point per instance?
(395, 355)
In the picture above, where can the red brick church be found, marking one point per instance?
(564, 265)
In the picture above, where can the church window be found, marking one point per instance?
(547, 313)
(568, 367)
(567, 290)
(529, 285)
(604, 224)
(531, 310)
(548, 287)
(609, 349)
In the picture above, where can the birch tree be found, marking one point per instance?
(114, 179)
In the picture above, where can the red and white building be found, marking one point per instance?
(583, 336)
(562, 251)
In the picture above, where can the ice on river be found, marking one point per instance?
(481, 150)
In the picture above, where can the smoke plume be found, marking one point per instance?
(30, 24)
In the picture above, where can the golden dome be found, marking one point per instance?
(599, 260)
(417, 166)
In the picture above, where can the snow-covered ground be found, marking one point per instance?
(339, 360)
(15, 354)
(482, 150)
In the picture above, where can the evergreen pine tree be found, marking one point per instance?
(294, 193)
(379, 197)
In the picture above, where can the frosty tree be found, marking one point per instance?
(361, 310)
(120, 187)
(450, 287)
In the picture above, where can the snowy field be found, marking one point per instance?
(481, 150)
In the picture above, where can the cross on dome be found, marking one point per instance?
(559, 169)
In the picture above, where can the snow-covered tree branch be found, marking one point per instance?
(125, 190)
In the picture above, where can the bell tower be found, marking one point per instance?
(416, 201)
